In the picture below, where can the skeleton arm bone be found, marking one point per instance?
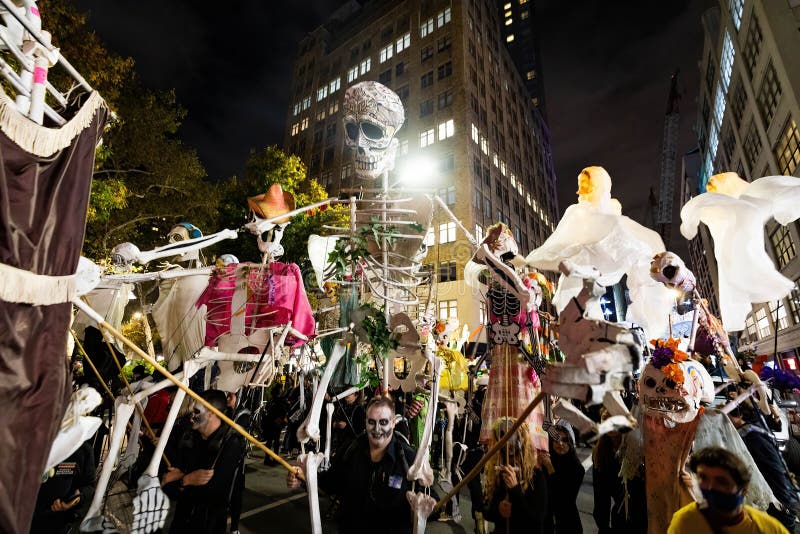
(182, 247)
(421, 468)
(310, 427)
(309, 463)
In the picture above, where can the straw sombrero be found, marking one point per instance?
(273, 203)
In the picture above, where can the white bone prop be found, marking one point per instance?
(151, 506)
(127, 253)
(258, 225)
(310, 427)
(93, 520)
(600, 356)
(451, 407)
(309, 463)
(230, 378)
(421, 506)
(421, 469)
(328, 428)
(760, 393)
(76, 425)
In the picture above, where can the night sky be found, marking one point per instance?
(606, 68)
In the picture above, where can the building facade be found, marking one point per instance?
(748, 123)
(518, 31)
(467, 112)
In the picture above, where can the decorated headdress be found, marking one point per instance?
(273, 203)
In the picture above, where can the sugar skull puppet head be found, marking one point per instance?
(675, 390)
(265, 222)
(373, 114)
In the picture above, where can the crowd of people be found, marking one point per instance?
(520, 489)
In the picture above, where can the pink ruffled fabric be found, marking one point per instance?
(274, 297)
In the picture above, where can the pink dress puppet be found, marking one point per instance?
(513, 318)
(275, 296)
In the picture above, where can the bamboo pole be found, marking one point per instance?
(491, 452)
(113, 331)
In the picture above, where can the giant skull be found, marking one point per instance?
(372, 115)
(679, 403)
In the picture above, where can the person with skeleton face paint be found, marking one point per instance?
(203, 470)
(723, 480)
(369, 476)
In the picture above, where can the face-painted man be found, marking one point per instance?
(380, 426)
(204, 421)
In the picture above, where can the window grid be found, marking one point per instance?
(783, 321)
(448, 309)
(794, 302)
(752, 45)
(447, 271)
(447, 232)
(403, 43)
(446, 129)
(769, 94)
(426, 138)
(736, 7)
(787, 151)
(726, 61)
(783, 246)
(752, 145)
(762, 322)
(738, 101)
(386, 53)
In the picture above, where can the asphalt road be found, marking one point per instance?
(268, 506)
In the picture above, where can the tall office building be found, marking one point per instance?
(748, 123)
(467, 109)
(518, 30)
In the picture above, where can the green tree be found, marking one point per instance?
(264, 168)
(145, 179)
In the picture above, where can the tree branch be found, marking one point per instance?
(122, 171)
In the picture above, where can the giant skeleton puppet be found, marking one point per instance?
(512, 304)
(372, 116)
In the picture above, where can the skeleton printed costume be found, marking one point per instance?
(513, 383)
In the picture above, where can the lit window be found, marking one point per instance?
(386, 53)
(509, 21)
(507, 14)
(509, 37)
(365, 66)
(426, 27)
(513, 178)
(762, 322)
(478, 233)
(403, 42)
(524, 15)
(333, 108)
(304, 124)
(787, 151)
(296, 110)
(531, 74)
(443, 18)
(495, 159)
(783, 322)
(320, 115)
(507, 5)
(447, 232)
(448, 309)
(484, 146)
(430, 238)
(794, 302)
(736, 7)
(426, 138)
(726, 61)
(306, 103)
(503, 168)
(528, 198)
(475, 134)
(347, 170)
(446, 129)
(448, 194)
(335, 85)
(295, 128)
(523, 2)
(322, 92)
(352, 74)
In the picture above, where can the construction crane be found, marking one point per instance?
(668, 159)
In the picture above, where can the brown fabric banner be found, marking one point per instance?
(43, 202)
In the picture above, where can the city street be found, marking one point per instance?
(269, 507)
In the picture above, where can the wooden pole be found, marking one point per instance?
(491, 452)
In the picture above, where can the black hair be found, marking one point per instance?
(719, 457)
(216, 398)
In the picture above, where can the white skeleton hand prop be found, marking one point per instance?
(309, 463)
(669, 269)
(662, 396)
(310, 427)
(735, 213)
(421, 506)
(421, 468)
(600, 356)
(451, 406)
(372, 115)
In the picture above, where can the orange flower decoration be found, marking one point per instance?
(673, 372)
(439, 328)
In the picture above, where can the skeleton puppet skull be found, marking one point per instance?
(669, 269)
(372, 115)
(662, 397)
